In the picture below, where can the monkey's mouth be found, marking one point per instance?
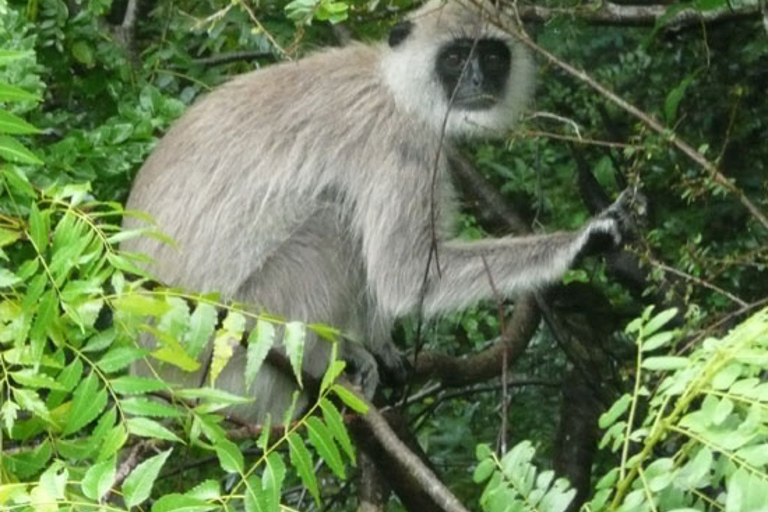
(475, 102)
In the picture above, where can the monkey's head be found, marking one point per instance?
(448, 56)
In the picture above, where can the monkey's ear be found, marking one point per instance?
(399, 33)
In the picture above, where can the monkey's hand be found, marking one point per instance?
(361, 367)
(394, 366)
(366, 368)
(617, 224)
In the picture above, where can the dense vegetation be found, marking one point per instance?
(641, 378)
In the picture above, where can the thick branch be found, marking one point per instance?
(460, 371)
(638, 15)
(410, 462)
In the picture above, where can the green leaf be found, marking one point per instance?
(9, 412)
(10, 93)
(113, 441)
(144, 427)
(30, 401)
(119, 358)
(725, 378)
(230, 456)
(202, 322)
(693, 474)
(665, 363)
(335, 424)
(13, 151)
(141, 305)
(658, 321)
(138, 485)
(47, 311)
(483, 451)
(350, 399)
(28, 463)
(7, 56)
(660, 474)
(260, 341)
(301, 460)
(100, 340)
(130, 385)
(206, 490)
(272, 482)
(227, 338)
(145, 407)
(87, 403)
(675, 96)
(15, 125)
(181, 503)
(8, 278)
(68, 378)
(322, 440)
(295, 335)
(251, 500)
(38, 229)
(484, 470)
(659, 340)
(31, 379)
(212, 395)
(98, 479)
(83, 53)
(335, 368)
(618, 408)
(171, 351)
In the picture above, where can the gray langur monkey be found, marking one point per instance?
(318, 190)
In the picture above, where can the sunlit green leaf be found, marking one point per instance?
(138, 485)
(98, 479)
(144, 427)
(301, 460)
(295, 334)
(260, 340)
(335, 424)
(230, 456)
(322, 439)
(87, 403)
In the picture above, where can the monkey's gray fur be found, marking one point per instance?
(307, 189)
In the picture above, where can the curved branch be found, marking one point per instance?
(460, 371)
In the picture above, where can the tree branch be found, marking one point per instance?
(607, 13)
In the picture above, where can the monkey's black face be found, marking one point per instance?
(474, 73)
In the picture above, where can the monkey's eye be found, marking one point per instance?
(494, 60)
(454, 60)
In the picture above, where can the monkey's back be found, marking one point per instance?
(235, 200)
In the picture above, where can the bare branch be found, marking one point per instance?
(415, 467)
(226, 58)
(638, 15)
(127, 28)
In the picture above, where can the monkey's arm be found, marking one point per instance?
(463, 273)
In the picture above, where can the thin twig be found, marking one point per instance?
(697, 280)
(579, 140)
